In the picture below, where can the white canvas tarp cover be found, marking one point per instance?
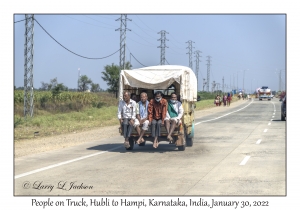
(161, 77)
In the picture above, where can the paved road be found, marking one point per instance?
(239, 150)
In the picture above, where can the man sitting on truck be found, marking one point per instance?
(142, 116)
(126, 116)
(157, 111)
(174, 114)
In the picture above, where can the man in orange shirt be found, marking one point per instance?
(157, 111)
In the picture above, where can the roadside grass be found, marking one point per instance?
(49, 121)
(209, 103)
(54, 124)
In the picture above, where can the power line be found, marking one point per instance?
(134, 57)
(140, 43)
(22, 20)
(98, 20)
(89, 23)
(167, 61)
(70, 50)
(176, 52)
(143, 30)
(176, 40)
(146, 24)
(142, 38)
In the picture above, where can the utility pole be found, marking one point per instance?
(190, 47)
(213, 86)
(78, 79)
(28, 65)
(162, 46)
(223, 84)
(279, 80)
(244, 79)
(208, 72)
(197, 64)
(204, 83)
(123, 28)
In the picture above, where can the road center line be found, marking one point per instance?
(63, 163)
(265, 130)
(258, 141)
(245, 160)
(224, 114)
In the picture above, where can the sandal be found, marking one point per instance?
(126, 144)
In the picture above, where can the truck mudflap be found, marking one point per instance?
(181, 137)
(191, 135)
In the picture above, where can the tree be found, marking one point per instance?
(95, 87)
(49, 86)
(84, 83)
(111, 76)
(58, 89)
(128, 65)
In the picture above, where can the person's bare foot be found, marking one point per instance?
(170, 139)
(155, 143)
(140, 140)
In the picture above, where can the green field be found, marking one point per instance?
(69, 112)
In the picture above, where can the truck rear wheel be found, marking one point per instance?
(189, 142)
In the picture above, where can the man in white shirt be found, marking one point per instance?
(174, 114)
(126, 116)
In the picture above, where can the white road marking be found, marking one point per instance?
(258, 141)
(271, 120)
(245, 160)
(63, 163)
(265, 130)
(272, 116)
(269, 123)
(224, 114)
(274, 113)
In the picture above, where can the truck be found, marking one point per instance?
(167, 79)
(264, 93)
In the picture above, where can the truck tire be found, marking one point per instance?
(189, 142)
(131, 142)
(282, 118)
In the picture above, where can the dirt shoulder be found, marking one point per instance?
(42, 144)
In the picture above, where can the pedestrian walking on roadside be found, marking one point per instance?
(224, 100)
(217, 100)
(228, 99)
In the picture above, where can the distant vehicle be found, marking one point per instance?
(264, 93)
(283, 109)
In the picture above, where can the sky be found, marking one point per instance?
(247, 50)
